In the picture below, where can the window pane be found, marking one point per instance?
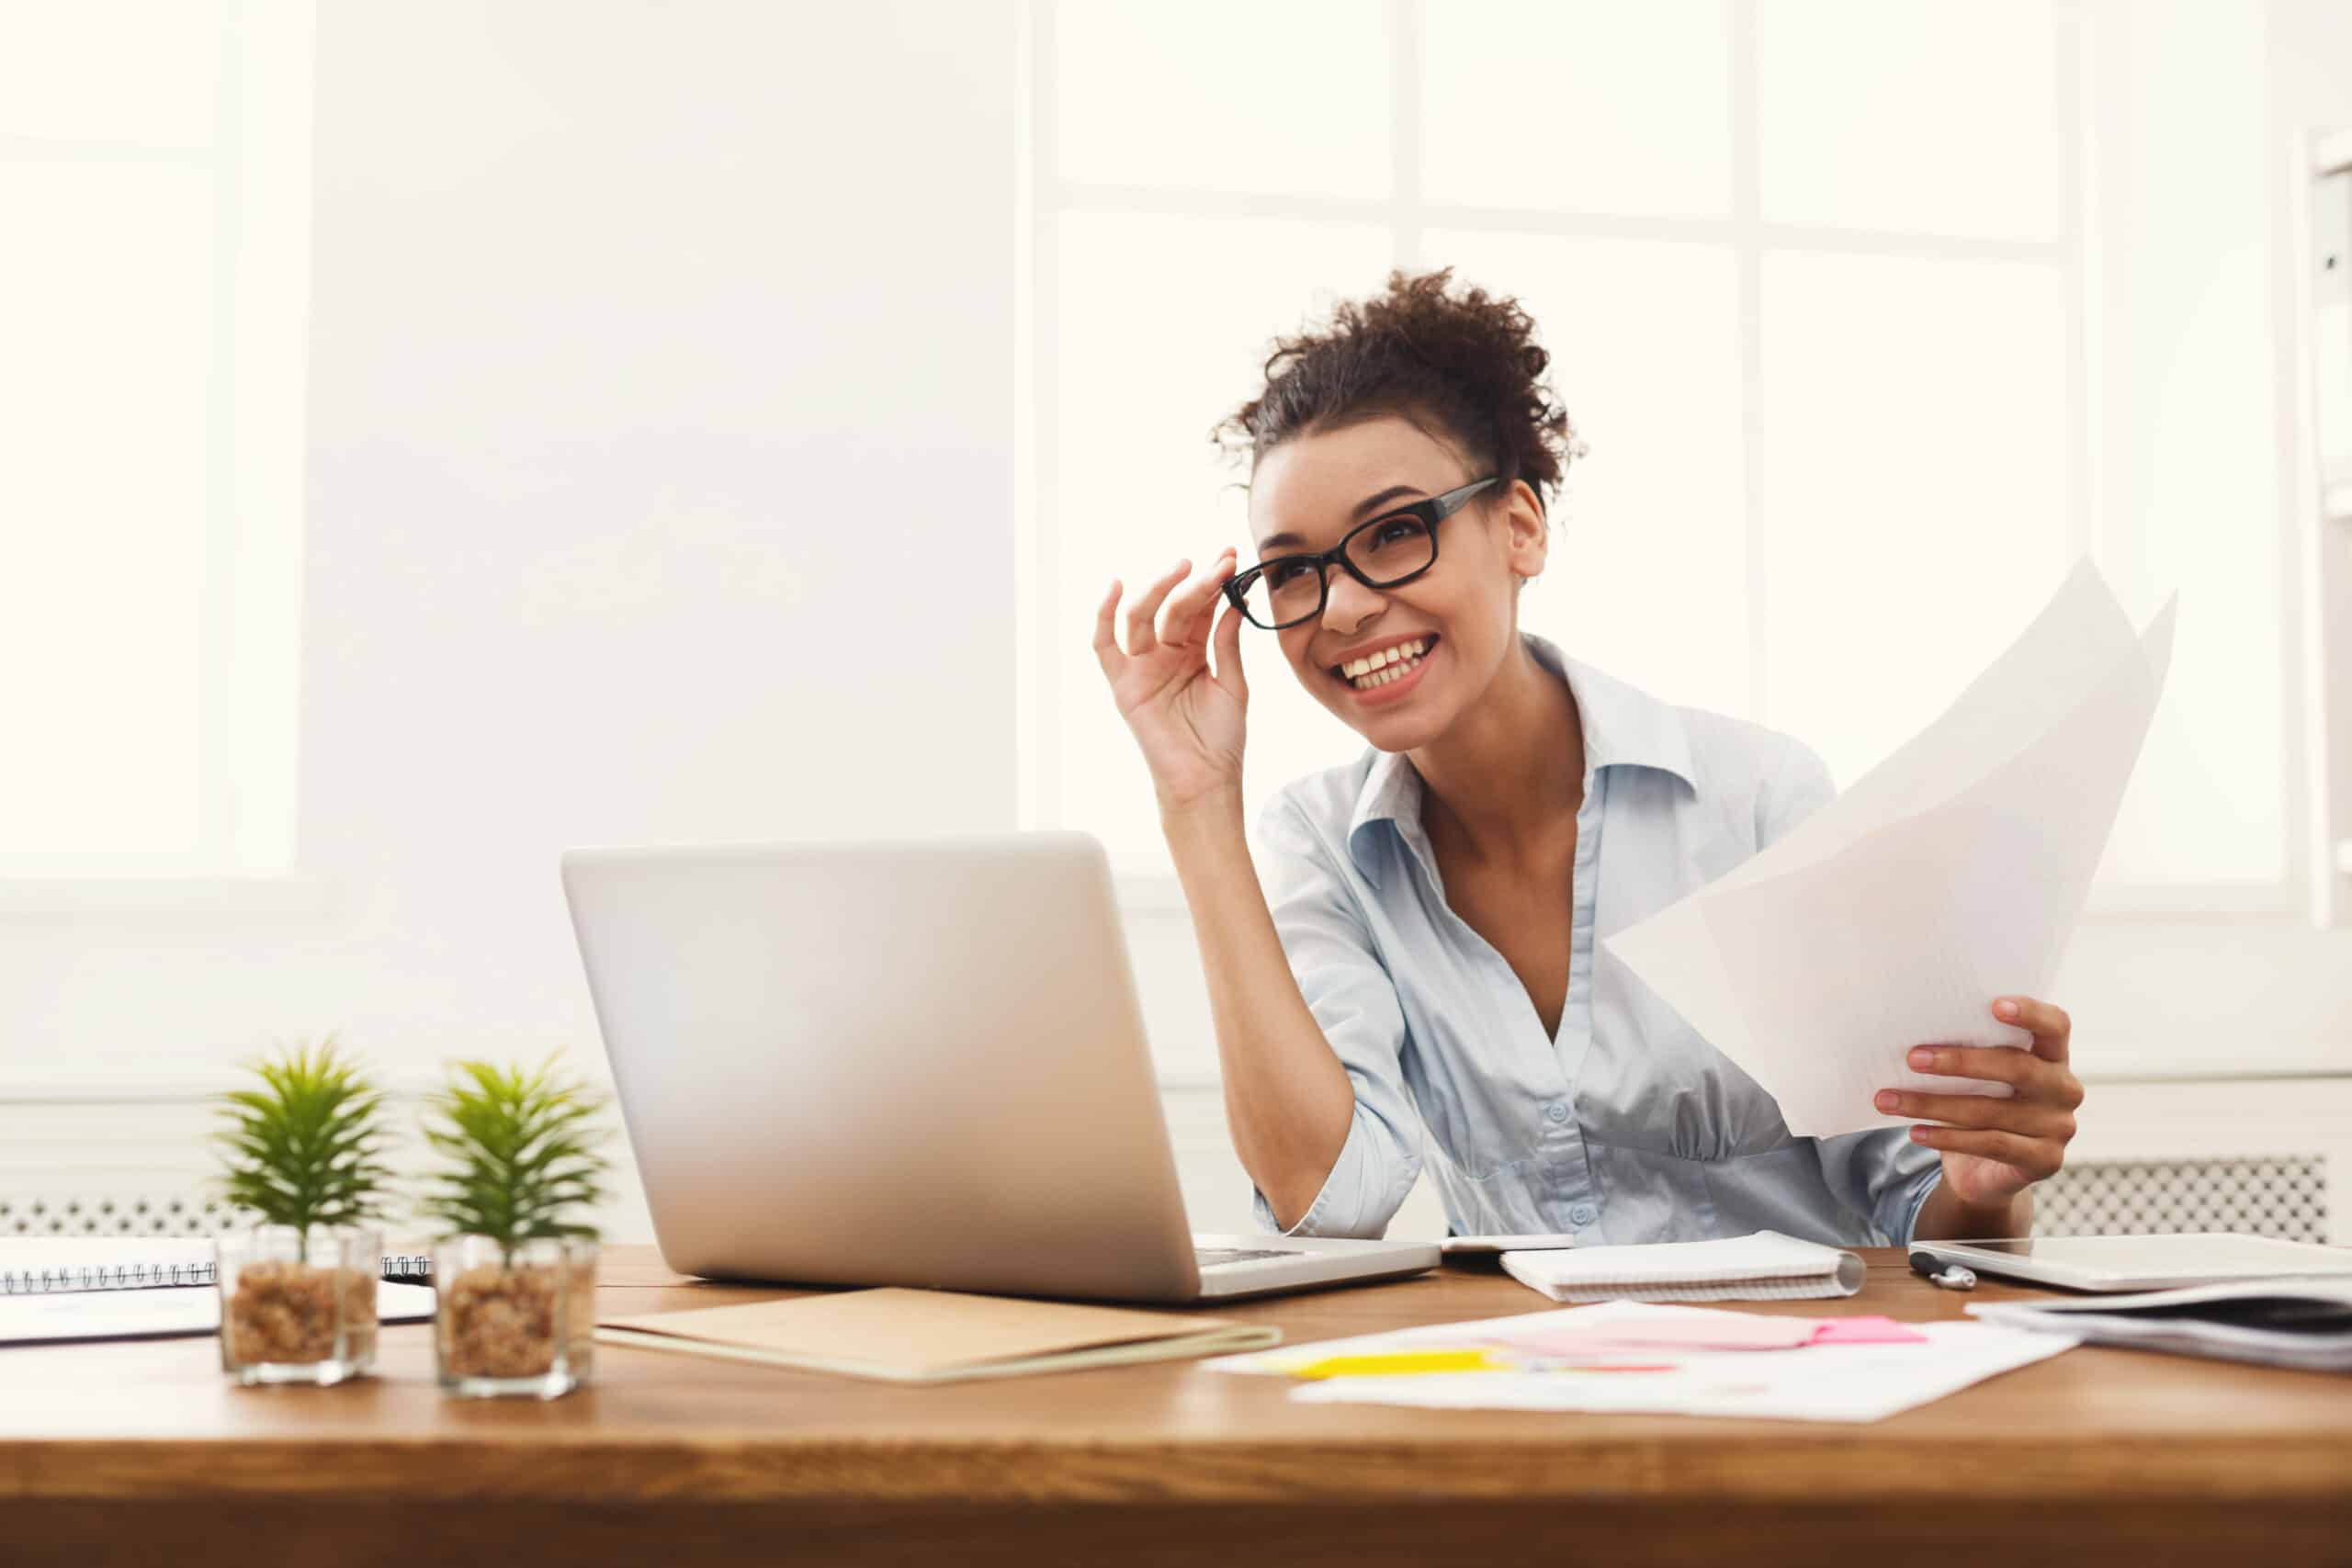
(1163, 328)
(105, 303)
(1914, 482)
(2190, 442)
(1915, 115)
(136, 71)
(1591, 106)
(1224, 94)
(1648, 571)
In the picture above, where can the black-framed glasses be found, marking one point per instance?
(1394, 547)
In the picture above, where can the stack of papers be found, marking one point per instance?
(2278, 1323)
(1765, 1267)
(1950, 874)
(1623, 1356)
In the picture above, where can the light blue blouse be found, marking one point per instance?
(1625, 1126)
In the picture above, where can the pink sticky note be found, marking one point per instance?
(1865, 1331)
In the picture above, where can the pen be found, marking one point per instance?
(1936, 1272)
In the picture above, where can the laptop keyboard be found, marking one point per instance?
(1209, 1257)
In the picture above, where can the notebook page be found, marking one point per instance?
(1764, 1254)
(146, 1314)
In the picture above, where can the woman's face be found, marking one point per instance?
(1306, 493)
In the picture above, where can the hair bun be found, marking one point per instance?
(1471, 362)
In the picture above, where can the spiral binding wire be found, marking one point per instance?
(103, 1277)
(405, 1269)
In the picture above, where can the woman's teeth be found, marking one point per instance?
(1388, 664)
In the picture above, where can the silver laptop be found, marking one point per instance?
(905, 1063)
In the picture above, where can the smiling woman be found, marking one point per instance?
(1424, 946)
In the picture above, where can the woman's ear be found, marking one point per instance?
(1527, 538)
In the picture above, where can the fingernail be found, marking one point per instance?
(2005, 1009)
(1887, 1099)
(1923, 1057)
(1918, 1134)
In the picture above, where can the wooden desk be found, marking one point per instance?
(143, 1453)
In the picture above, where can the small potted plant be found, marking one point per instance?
(298, 1290)
(517, 1271)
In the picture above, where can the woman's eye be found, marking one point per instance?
(1400, 529)
(1282, 573)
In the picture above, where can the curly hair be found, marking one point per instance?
(1470, 364)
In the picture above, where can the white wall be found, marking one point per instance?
(660, 487)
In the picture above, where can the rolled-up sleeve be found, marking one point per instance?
(1879, 1174)
(1329, 947)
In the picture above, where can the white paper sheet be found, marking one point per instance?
(1823, 1383)
(159, 1313)
(1950, 874)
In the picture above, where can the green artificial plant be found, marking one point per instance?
(522, 1151)
(302, 1149)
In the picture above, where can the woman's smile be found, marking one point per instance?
(1392, 680)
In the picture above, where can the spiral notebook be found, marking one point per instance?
(39, 1266)
(56, 1289)
(1765, 1267)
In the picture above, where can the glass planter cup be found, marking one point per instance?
(299, 1306)
(520, 1323)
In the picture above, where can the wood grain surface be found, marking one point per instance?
(2097, 1455)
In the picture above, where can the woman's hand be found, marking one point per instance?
(1188, 721)
(1995, 1149)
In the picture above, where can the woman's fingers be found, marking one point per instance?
(2027, 1071)
(1190, 617)
(1190, 612)
(2001, 1064)
(2038, 1159)
(2052, 1030)
(1229, 655)
(1106, 636)
(2035, 1118)
(1142, 636)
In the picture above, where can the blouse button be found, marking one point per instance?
(1583, 1214)
(1556, 1111)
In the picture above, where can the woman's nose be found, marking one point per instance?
(1348, 603)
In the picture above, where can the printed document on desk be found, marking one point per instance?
(1950, 874)
(1625, 1356)
(1857, 1382)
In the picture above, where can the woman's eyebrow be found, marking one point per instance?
(1367, 504)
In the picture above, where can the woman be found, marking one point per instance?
(1428, 935)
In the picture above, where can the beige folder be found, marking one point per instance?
(907, 1336)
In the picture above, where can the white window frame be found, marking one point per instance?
(250, 677)
(2317, 491)
(1749, 236)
